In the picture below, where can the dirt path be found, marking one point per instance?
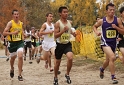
(36, 74)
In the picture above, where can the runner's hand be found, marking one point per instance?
(65, 28)
(114, 26)
(51, 32)
(74, 34)
(98, 33)
(118, 39)
(16, 32)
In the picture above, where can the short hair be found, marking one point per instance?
(15, 10)
(110, 4)
(61, 8)
(32, 28)
(48, 14)
(121, 9)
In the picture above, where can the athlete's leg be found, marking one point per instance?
(56, 67)
(111, 56)
(53, 54)
(36, 51)
(20, 60)
(69, 61)
(40, 49)
(25, 51)
(13, 57)
(12, 60)
(106, 62)
(46, 55)
(30, 52)
(33, 51)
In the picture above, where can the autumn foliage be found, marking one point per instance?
(32, 12)
(6, 7)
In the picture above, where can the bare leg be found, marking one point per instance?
(111, 56)
(69, 62)
(20, 62)
(33, 51)
(12, 62)
(56, 67)
(105, 63)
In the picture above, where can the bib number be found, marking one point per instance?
(51, 35)
(16, 37)
(64, 37)
(111, 33)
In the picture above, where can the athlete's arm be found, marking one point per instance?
(6, 30)
(57, 32)
(120, 27)
(96, 25)
(43, 27)
(23, 33)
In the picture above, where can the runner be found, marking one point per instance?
(6, 49)
(33, 41)
(15, 36)
(37, 43)
(27, 43)
(5, 43)
(48, 44)
(62, 34)
(40, 48)
(111, 25)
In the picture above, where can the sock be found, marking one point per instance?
(113, 76)
(101, 69)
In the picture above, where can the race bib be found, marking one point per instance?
(32, 40)
(51, 35)
(111, 33)
(16, 37)
(64, 37)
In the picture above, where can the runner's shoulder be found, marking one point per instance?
(57, 24)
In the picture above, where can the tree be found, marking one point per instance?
(83, 11)
(36, 11)
(55, 5)
(6, 10)
(103, 4)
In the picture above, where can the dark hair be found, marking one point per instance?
(121, 9)
(15, 10)
(110, 4)
(48, 14)
(61, 8)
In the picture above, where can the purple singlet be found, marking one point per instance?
(109, 34)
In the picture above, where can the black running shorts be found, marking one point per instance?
(62, 49)
(121, 44)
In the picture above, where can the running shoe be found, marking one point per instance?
(55, 81)
(20, 78)
(114, 81)
(38, 60)
(68, 79)
(101, 74)
(11, 73)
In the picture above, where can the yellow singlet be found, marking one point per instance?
(15, 27)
